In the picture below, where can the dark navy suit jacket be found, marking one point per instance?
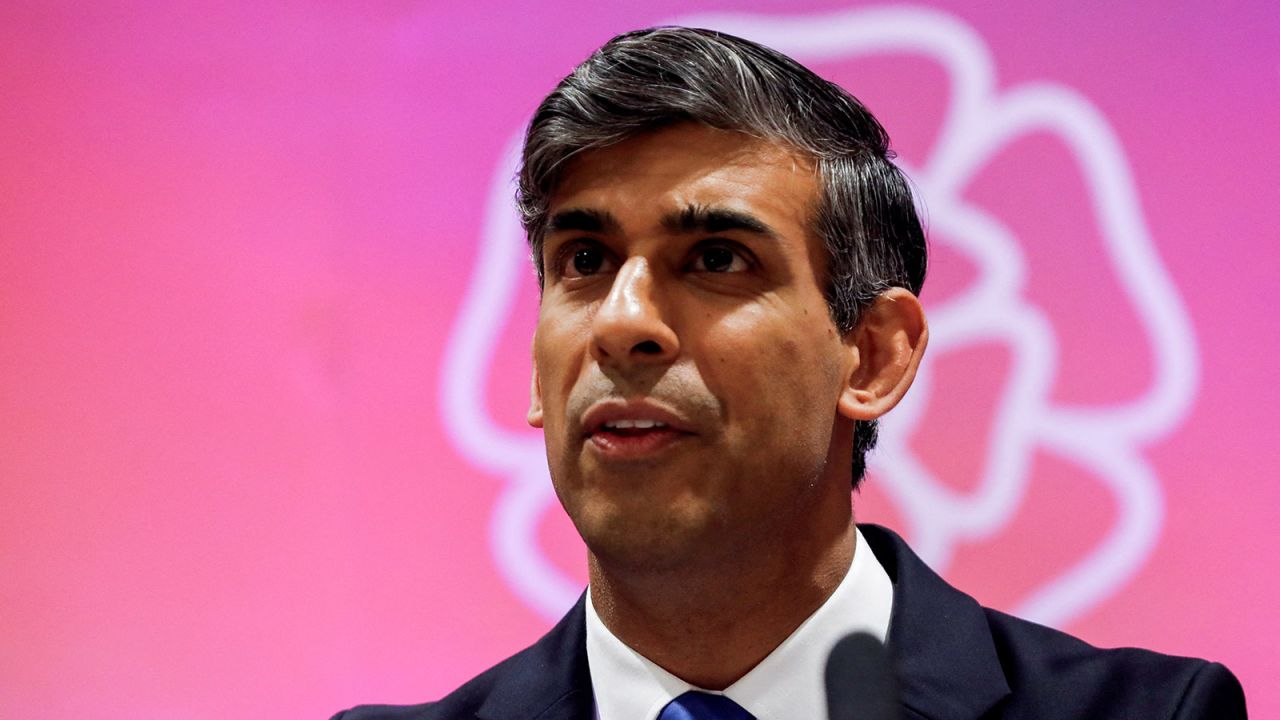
(955, 660)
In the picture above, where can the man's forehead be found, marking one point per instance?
(678, 150)
(690, 174)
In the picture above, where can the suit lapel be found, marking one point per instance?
(550, 680)
(939, 638)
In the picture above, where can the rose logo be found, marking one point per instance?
(1106, 440)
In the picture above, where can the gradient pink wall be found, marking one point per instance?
(235, 242)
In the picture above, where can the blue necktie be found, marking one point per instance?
(695, 705)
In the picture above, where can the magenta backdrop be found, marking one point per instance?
(262, 455)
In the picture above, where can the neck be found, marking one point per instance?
(711, 623)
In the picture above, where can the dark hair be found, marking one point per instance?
(646, 79)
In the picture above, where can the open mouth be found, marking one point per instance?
(621, 430)
(632, 427)
(633, 439)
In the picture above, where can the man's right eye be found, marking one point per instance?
(585, 260)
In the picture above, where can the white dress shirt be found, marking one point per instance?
(787, 684)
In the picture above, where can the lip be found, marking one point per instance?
(633, 444)
(608, 411)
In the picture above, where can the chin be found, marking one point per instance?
(647, 539)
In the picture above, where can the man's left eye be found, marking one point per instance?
(719, 259)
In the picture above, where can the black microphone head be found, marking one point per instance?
(860, 680)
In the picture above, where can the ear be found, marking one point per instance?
(886, 347)
(534, 417)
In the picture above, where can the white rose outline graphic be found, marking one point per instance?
(980, 120)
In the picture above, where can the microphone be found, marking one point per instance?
(860, 680)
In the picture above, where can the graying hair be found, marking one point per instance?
(646, 79)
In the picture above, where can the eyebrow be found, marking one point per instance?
(583, 220)
(702, 219)
(694, 219)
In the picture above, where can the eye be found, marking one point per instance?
(719, 259)
(584, 259)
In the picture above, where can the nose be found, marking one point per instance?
(630, 327)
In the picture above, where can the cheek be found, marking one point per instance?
(561, 350)
(775, 369)
(554, 373)
(560, 344)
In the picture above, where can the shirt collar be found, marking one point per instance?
(786, 684)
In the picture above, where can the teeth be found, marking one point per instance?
(633, 424)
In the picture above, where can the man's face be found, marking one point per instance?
(687, 370)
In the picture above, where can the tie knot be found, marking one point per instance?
(695, 705)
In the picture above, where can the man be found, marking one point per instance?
(729, 265)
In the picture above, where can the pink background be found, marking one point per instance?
(234, 240)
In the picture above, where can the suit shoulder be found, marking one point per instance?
(462, 703)
(550, 673)
(1048, 668)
